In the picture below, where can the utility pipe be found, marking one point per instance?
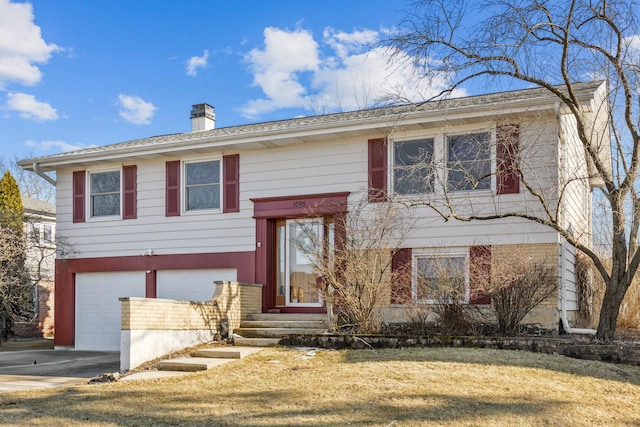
(563, 306)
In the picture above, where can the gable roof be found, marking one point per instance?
(35, 207)
(361, 123)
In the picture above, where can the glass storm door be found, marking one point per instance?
(296, 280)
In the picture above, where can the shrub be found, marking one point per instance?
(440, 301)
(517, 288)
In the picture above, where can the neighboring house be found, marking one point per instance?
(40, 231)
(165, 216)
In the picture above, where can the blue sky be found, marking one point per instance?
(77, 74)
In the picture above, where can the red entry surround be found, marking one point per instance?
(66, 270)
(266, 211)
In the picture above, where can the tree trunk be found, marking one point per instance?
(613, 296)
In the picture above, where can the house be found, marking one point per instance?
(40, 230)
(166, 216)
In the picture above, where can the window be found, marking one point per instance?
(202, 185)
(105, 194)
(413, 169)
(469, 162)
(41, 233)
(193, 186)
(108, 193)
(34, 233)
(47, 233)
(440, 278)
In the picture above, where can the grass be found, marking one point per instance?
(401, 387)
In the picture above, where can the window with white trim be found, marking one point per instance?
(413, 171)
(202, 185)
(47, 234)
(34, 232)
(440, 278)
(469, 161)
(41, 233)
(105, 188)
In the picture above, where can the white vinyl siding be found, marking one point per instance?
(567, 265)
(574, 180)
(323, 167)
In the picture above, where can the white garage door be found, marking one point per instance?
(191, 285)
(98, 307)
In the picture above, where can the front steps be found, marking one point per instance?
(257, 332)
(207, 358)
(278, 325)
(256, 342)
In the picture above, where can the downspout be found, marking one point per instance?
(563, 304)
(563, 316)
(46, 177)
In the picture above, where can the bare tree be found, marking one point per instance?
(16, 290)
(552, 45)
(31, 185)
(354, 262)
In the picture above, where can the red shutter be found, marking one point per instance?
(172, 198)
(401, 276)
(479, 274)
(507, 146)
(78, 196)
(130, 187)
(231, 183)
(378, 170)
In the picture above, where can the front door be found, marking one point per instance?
(296, 241)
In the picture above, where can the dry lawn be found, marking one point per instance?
(406, 387)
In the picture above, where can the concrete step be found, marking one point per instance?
(288, 316)
(256, 342)
(191, 364)
(297, 324)
(277, 332)
(235, 352)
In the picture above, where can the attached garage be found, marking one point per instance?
(191, 285)
(98, 312)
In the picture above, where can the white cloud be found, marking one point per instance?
(344, 72)
(31, 109)
(136, 110)
(56, 146)
(278, 67)
(21, 45)
(632, 44)
(196, 62)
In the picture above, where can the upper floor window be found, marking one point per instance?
(104, 193)
(202, 185)
(413, 166)
(469, 162)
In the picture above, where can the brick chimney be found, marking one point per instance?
(203, 117)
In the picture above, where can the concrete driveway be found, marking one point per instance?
(33, 369)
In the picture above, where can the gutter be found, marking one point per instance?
(43, 175)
